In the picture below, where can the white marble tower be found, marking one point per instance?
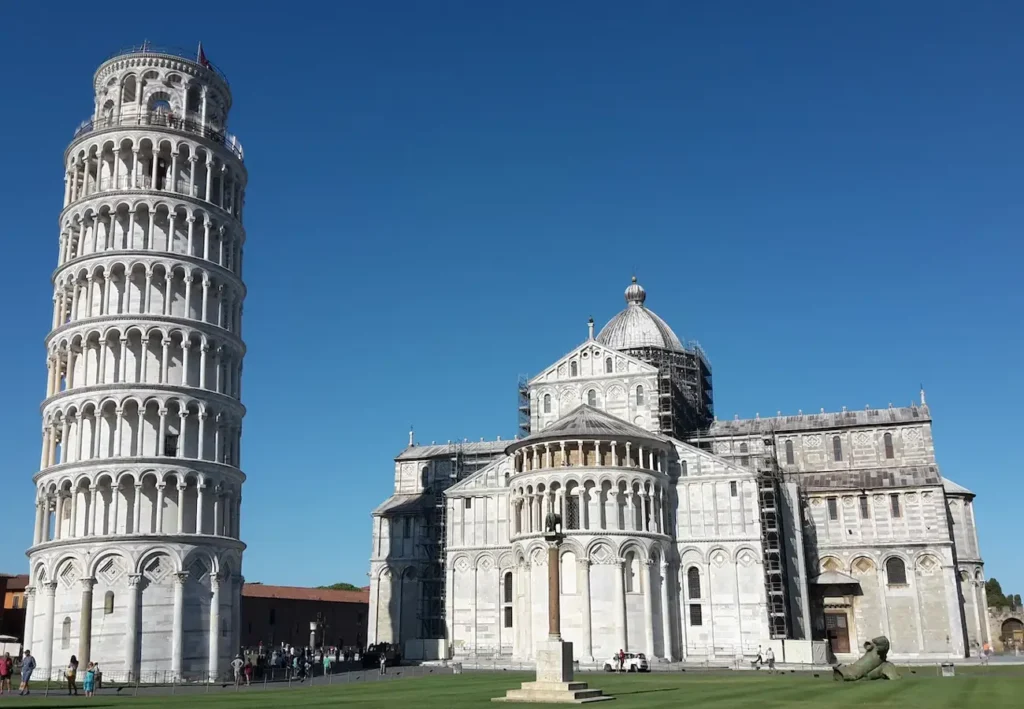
(136, 557)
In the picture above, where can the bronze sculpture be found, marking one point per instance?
(871, 665)
(553, 523)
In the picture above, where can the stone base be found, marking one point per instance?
(554, 683)
(554, 693)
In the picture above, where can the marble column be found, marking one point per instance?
(131, 630)
(236, 614)
(554, 594)
(583, 575)
(85, 623)
(666, 615)
(647, 574)
(177, 627)
(45, 660)
(620, 606)
(30, 618)
(527, 616)
(214, 639)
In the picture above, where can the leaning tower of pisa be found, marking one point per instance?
(136, 554)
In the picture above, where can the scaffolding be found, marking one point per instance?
(776, 583)
(433, 601)
(685, 398)
(524, 406)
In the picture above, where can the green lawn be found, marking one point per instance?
(990, 688)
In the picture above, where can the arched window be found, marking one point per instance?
(789, 453)
(507, 598)
(508, 587)
(693, 583)
(108, 603)
(682, 469)
(574, 369)
(547, 403)
(896, 572)
(591, 398)
(568, 568)
(744, 458)
(887, 439)
(608, 365)
(631, 569)
(65, 634)
(837, 448)
(640, 396)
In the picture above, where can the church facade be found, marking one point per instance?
(686, 538)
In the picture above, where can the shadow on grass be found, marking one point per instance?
(648, 691)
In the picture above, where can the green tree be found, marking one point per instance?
(340, 587)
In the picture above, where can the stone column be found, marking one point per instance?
(666, 615)
(30, 618)
(85, 623)
(554, 594)
(131, 630)
(646, 572)
(214, 639)
(137, 507)
(181, 509)
(620, 606)
(159, 508)
(177, 629)
(45, 660)
(583, 574)
(236, 613)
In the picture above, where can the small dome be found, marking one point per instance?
(637, 326)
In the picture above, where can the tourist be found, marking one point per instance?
(236, 667)
(28, 665)
(6, 670)
(383, 664)
(89, 683)
(247, 671)
(327, 664)
(769, 655)
(71, 673)
(759, 660)
(622, 660)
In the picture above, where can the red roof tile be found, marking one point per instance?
(300, 593)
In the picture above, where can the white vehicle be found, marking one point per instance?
(633, 663)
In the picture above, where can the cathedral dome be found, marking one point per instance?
(636, 326)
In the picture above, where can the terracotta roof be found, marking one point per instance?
(300, 593)
(16, 583)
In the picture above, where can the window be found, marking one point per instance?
(273, 617)
(733, 491)
(894, 505)
(406, 527)
(171, 445)
(632, 567)
(508, 587)
(693, 583)
(608, 365)
(744, 459)
(591, 398)
(639, 396)
(896, 572)
(864, 512)
(696, 617)
(547, 403)
(468, 503)
(508, 616)
(837, 449)
(887, 440)
(572, 512)
(16, 602)
(65, 634)
(789, 453)
(108, 603)
(682, 468)
(833, 508)
(574, 369)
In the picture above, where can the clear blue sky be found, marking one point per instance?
(828, 199)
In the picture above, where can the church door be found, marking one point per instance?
(838, 632)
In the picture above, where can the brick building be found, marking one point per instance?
(276, 614)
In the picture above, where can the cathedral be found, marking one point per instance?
(686, 538)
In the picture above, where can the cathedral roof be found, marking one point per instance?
(405, 503)
(587, 422)
(953, 489)
(636, 326)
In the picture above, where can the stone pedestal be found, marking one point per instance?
(554, 683)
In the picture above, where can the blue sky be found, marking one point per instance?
(828, 199)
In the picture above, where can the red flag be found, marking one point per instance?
(202, 57)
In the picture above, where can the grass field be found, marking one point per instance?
(991, 688)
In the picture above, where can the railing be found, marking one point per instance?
(179, 52)
(190, 123)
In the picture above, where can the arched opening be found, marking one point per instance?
(631, 572)
(693, 583)
(889, 452)
(547, 403)
(608, 365)
(591, 398)
(108, 603)
(837, 449)
(1012, 632)
(789, 453)
(507, 602)
(65, 634)
(574, 369)
(896, 572)
(640, 395)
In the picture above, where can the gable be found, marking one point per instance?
(702, 463)
(590, 359)
(489, 477)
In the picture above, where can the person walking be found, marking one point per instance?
(247, 671)
(758, 661)
(622, 660)
(769, 655)
(236, 668)
(71, 673)
(28, 666)
(383, 664)
(6, 670)
(89, 683)
(327, 664)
